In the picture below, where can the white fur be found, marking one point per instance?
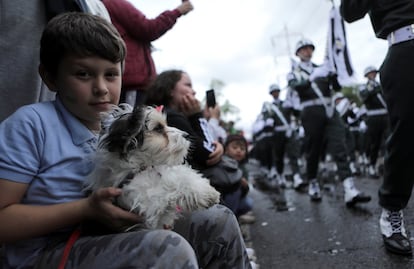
(162, 186)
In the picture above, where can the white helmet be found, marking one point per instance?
(274, 87)
(303, 43)
(369, 69)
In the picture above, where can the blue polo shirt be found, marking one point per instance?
(45, 146)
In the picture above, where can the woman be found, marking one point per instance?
(173, 89)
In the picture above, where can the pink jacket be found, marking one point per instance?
(138, 32)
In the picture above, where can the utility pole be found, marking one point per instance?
(284, 37)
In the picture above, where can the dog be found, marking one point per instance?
(139, 153)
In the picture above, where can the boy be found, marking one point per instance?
(46, 152)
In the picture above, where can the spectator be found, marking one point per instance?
(173, 89)
(22, 23)
(235, 147)
(138, 33)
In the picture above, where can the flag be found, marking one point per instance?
(337, 59)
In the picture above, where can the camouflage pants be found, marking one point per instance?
(208, 238)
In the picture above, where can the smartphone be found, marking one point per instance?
(211, 98)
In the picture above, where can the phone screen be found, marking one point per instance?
(211, 98)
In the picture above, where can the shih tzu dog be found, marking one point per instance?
(139, 153)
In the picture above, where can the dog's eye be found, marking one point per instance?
(159, 128)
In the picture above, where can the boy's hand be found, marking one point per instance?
(101, 208)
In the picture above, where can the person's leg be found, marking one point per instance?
(395, 191)
(279, 144)
(141, 249)
(216, 238)
(246, 205)
(232, 200)
(376, 131)
(396, 79)
(314, 122)
(336, 146)
(293, 154)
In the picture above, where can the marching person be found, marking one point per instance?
(393, 20)
(376, 118)
(322, 124)
(261, 156)
(283, 140)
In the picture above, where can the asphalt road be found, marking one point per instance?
(292, 232)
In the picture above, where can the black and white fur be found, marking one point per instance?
(141, 154)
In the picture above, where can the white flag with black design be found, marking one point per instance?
(337, 58)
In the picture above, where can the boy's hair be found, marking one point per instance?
(82, 35)
(236, 138)
(239, 139)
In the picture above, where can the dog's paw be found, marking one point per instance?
(210, 198)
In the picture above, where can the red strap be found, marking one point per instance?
(72, 239)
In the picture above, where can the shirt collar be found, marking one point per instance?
(79, 133)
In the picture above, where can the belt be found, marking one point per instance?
(263, 135)
(400, 35)
(316, 102)
(281, 128)
(376, 112)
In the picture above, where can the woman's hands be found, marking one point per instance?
(189, 105)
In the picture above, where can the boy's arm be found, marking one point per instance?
(20, 221)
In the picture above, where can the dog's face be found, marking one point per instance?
(142, 138)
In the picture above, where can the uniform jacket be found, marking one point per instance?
(383, 21)
(298, 80)
(370, 95)
(138, 32)
(278, 105)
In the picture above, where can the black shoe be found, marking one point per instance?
(314, 191)
(359, 198)
(398, 244)
(393, 232)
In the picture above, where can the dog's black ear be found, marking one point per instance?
(136, 124)
(125, 133)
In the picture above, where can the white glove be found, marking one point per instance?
(269, 122)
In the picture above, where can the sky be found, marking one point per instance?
(248, 44)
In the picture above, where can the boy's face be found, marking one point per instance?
(237, 150)
(88, 86)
